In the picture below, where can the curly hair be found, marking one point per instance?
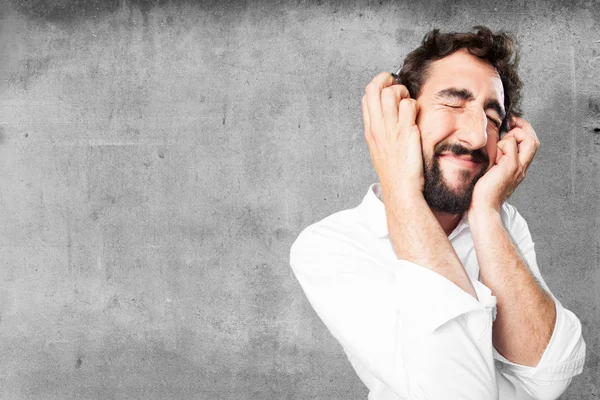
(500, 50)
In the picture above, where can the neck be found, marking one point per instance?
(447, 221)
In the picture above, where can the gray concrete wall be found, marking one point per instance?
(158, 158)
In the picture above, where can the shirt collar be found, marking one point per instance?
(373, 210)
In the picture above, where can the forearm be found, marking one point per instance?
(417, 236)
(526, 312)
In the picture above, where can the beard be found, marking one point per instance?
(438, 194)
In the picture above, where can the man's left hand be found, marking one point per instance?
(515, 153)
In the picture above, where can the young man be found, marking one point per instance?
(431, 284)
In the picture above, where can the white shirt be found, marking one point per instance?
(409, 332)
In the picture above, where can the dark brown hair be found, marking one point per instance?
(500, 50)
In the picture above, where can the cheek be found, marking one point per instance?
(492, 151)
(434, 127)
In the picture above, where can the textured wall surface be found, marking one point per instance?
(158, 158)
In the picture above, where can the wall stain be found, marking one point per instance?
(73, 11)
(65, 11)
(29, 70)
(124, 368)
(594, 105)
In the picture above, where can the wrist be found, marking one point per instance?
(400, 195)
(482, 217)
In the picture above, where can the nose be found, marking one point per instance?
(472, 132)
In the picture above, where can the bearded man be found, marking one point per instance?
(431, 284)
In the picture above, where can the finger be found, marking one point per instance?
(499, 155)
(527, 141)
(508, 146)
(366, 120)
(390, 102)
(528, 145)
(518, 122)
(373, 94)
(407, 116)
(369, 136)
(508, 134)
(389, 106)
(402, 90)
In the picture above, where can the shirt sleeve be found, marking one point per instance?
(370, 305)
(564, 356)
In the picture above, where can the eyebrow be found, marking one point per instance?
(467, 95)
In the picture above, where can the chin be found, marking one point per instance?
(461, 184)
(463, 191)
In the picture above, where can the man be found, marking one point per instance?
(431, 284)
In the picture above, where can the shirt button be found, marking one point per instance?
(499, 365)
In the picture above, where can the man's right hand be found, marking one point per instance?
(393, 138)
(394, 142)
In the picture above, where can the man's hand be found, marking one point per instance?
(515, 153)
(394, 142)
(526, 312)
(392, 135)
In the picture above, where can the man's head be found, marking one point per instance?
(468, 89)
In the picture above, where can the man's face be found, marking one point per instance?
(461, 109)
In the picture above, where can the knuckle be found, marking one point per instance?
(388, 92)
(403, 90)
(412, 105)
(406, 103)
(372, 87)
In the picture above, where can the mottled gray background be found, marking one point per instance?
(158, 158)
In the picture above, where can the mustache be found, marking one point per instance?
(477, 156)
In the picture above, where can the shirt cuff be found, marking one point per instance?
(434, 299)
(564, 356)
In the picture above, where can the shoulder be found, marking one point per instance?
(343, 227)
(341, 245)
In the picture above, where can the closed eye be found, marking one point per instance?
(494, 121)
